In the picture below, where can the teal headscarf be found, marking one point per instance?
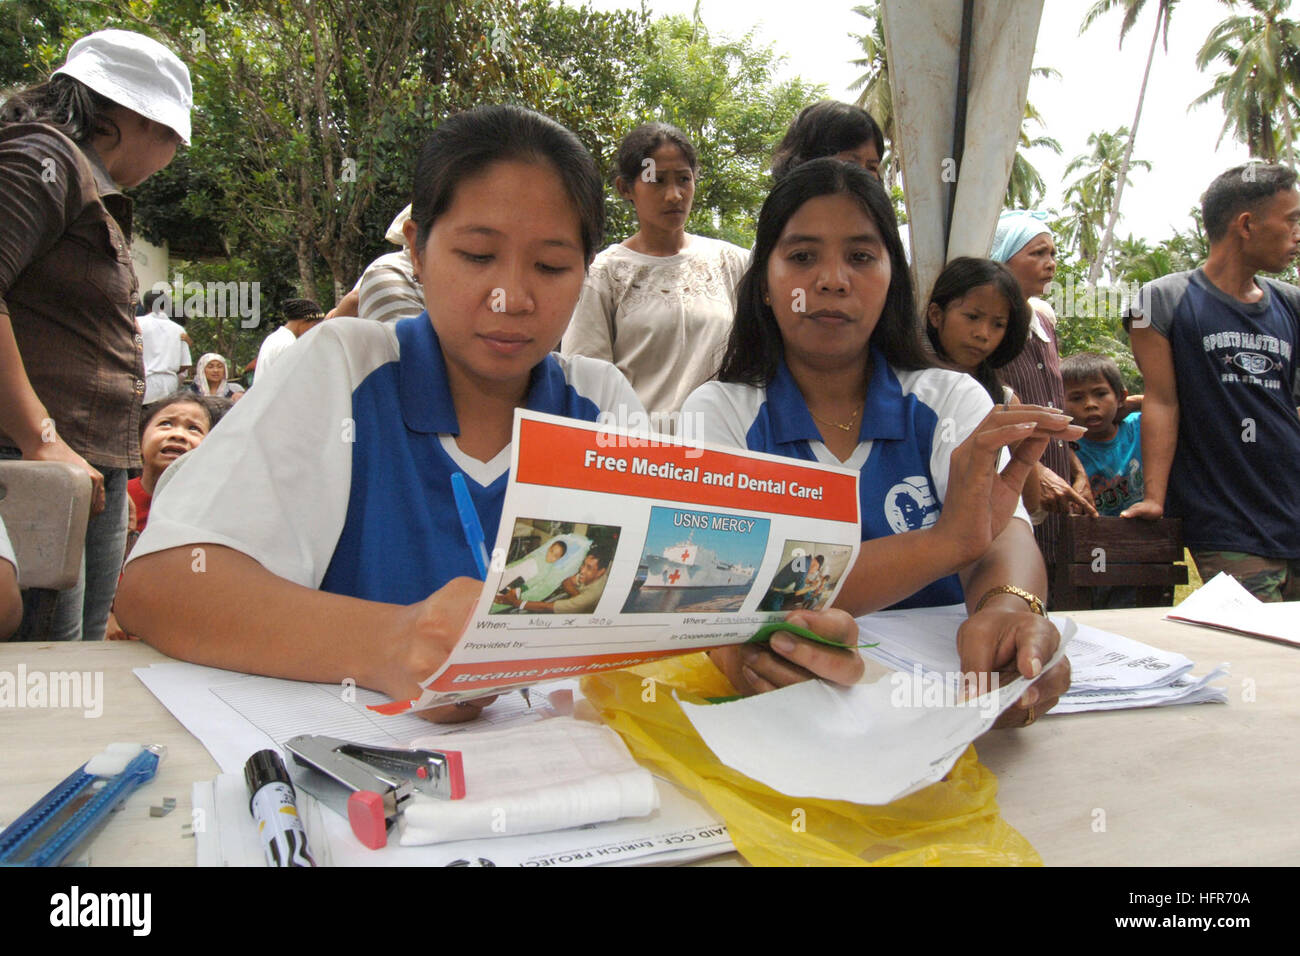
(1015, 228)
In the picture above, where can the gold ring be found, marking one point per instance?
(1032, 716)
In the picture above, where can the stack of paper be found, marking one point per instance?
(1224, 603)
(1108, 671)
(234, 715)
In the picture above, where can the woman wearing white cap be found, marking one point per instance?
(71, 376)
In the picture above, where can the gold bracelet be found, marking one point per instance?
(1035, 603)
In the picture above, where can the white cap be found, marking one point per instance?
(394, 233)
(137, 72)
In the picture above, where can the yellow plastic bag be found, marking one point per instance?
(951, 823)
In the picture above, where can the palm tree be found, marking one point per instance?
(1132, 8)
(1091, 197)
(1258, 91)
(875, 97)
(1025, 187)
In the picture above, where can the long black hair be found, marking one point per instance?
(469, 142)
(955, 281)
(824, 129)
(755, 349)
(637, 146)
(67, 104)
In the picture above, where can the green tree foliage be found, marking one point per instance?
(1091, 197)
(875, 96)
(723, 94)
(1025, 187)
(1132, 8)
(1258, 91)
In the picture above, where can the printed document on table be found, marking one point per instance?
(703, 545)
(1107, 671)
(1223, 602)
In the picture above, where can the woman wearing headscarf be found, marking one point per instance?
(210, 378)
(1024, 243)
(71, 371)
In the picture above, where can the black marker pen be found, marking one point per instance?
(271, 801)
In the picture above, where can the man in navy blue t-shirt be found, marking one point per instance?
(1217, 348)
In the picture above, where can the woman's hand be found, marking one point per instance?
(56, 450)
(981, 500)
(436, 624)
(1013, 642)
(788, 659)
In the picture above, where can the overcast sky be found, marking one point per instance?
(1097, 89)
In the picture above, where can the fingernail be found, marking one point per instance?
(749, 674)
(1036, 666)
(1029, 698)
(783, 642)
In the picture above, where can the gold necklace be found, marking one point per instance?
(841, 427)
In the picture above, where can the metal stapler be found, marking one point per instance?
(370, 785)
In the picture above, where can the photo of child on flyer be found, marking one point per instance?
(807, 576)
(555, 567)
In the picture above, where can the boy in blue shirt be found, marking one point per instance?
(1111, 451)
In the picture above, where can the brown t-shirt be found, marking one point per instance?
(68, 287)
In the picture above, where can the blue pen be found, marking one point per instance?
(470, 523)
(474, 535)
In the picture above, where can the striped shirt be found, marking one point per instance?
(1035, 376)
(388, 290)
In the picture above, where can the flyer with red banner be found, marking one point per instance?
(617, 548)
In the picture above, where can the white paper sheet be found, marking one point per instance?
(1223, 602)
(233, 715)
(870, 743)
(1128, 670)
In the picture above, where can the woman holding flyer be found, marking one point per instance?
(317, 537)
(825, 364)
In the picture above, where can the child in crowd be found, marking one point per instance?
(1111, 451)
(977, 320)
(170, 427)
(830, 128)
(659, 304)
(839, 376)
(323, 510)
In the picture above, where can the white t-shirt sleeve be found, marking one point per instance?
(960, 408)
(273, 346)
(273, 481)
(591, 330)
(6, 548)
(720, 414)
(605, 386)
